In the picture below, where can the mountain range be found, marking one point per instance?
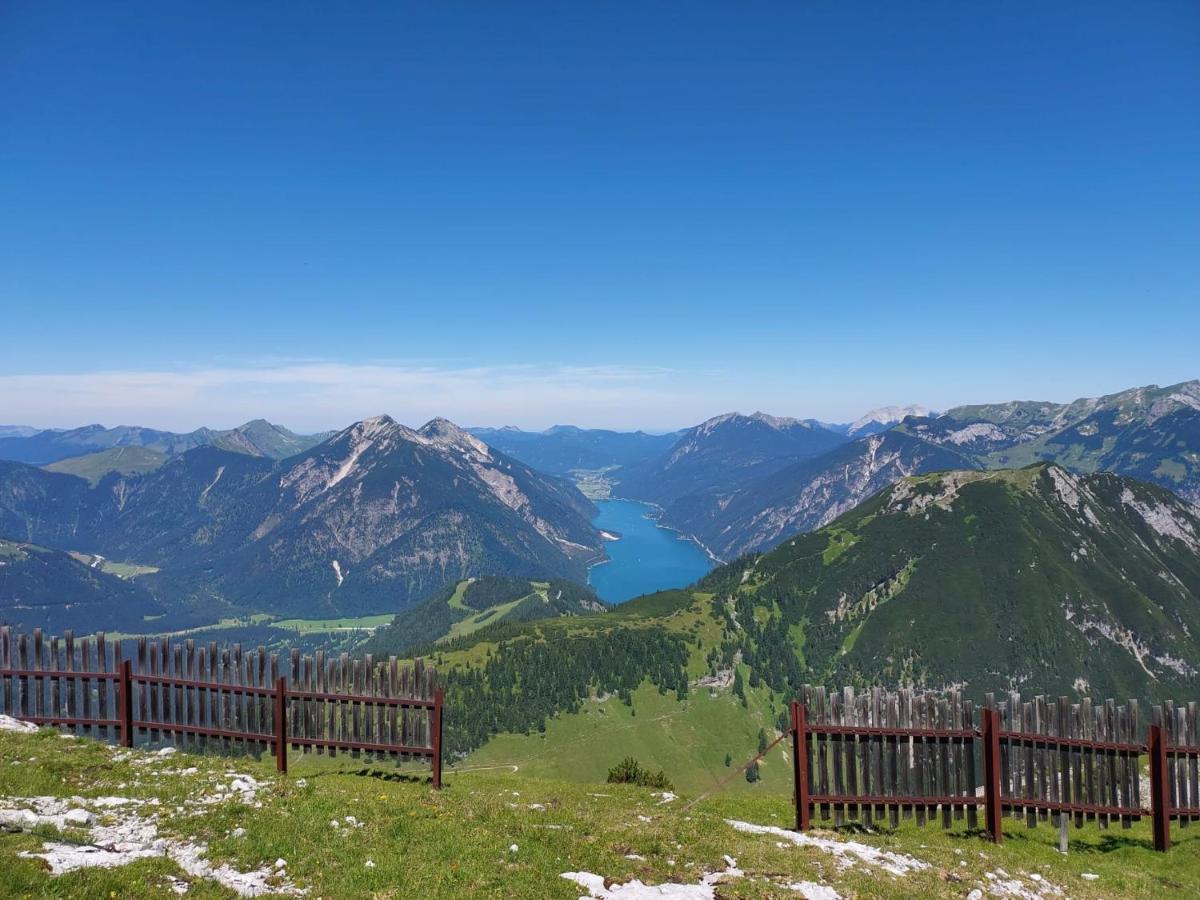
(722, 453)
(1149, 433)
(370, 520)
(379, 516)
(255, 438)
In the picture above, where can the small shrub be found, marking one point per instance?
(630, 771)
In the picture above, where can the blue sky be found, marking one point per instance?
(633, 215)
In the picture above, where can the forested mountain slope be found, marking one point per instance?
(50, 589)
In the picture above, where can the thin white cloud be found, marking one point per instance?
(320, 395)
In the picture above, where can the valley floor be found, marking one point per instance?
(212, 826)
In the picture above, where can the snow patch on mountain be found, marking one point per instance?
(886, 416)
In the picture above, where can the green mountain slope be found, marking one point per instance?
(92, 467)
(466, 606)
(1034, 579)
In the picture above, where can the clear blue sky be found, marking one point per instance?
(633, 214)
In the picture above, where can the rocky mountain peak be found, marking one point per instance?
(779, 423)
(443, 433)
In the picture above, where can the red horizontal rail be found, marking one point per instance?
(883, 800)
(1030, 737)
(69, 720)
(1184, 811)
(207, 732)
(875, 731)
(362, 698)
(1182, 750)
(358, 745)
(56, 673)
(209, 685)
(1059, 806)
(1006, 802)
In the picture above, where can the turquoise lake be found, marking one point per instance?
(646, 558)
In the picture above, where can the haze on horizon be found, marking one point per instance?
(628, 218)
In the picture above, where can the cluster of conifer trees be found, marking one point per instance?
(526, 681)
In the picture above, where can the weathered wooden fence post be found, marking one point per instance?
(438, 698)
(800, 763)
(993, 810)
(281, 725)
(125, 703)
(1160, 794)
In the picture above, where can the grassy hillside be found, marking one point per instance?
(493, 834)
(92, 467)
(464, 607)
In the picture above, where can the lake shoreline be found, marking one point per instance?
(713, 558)
(648, 555)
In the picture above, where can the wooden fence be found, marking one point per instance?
(223, 698)
(881, 755)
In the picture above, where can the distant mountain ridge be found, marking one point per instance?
(723, 452)
(370, 520)
(563, 449)
(256, 438)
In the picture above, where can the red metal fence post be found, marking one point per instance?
(125, 703)
(436, 728)
(991, 775)
(800, 763)
(281, 725)
(1160, 794)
